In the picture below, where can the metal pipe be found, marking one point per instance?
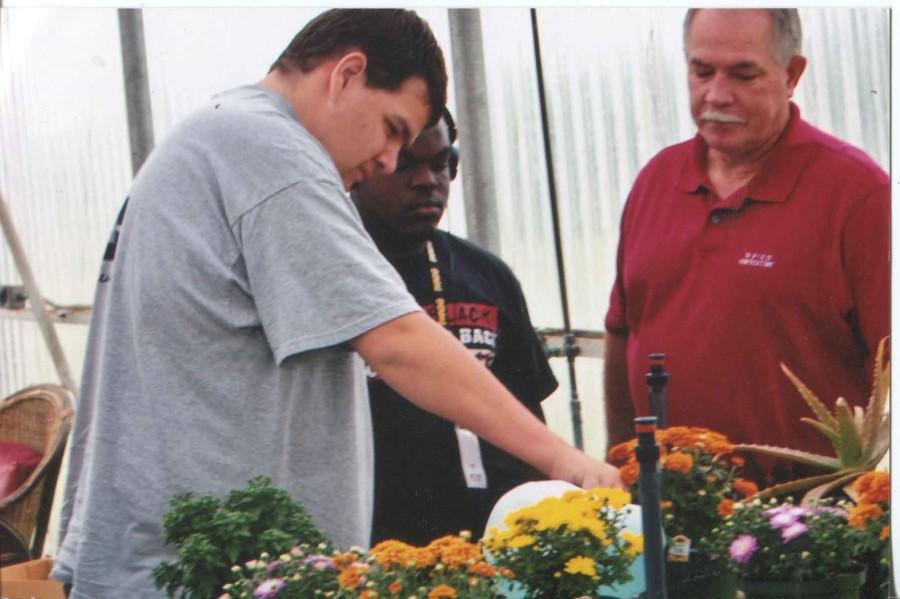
(647, 454)
(473, 118)
(137, 86)
(36, 299)
(657, 379)
(575, 402)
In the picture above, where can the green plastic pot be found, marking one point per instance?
(700, 577)
(842, 586)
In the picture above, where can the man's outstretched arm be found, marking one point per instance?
(427, 365)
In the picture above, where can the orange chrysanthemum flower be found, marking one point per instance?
(665, 504)
(885, 533)
(726, 507)
(368, 594)
(342, 560)
(483, 569)
(390, 552)
(861, 513)
(442, 591)
(353, 576)
(454, 552)
(622, 452)
(395, 587)
(629, 472)
(687, 437)
(679, 462)
(745, 487)
(873, 487)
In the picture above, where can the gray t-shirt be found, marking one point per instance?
(238, 270)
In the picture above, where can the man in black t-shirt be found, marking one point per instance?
(432, 478)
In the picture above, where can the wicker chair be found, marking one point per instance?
(39, 417)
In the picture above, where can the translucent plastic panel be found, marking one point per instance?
(194, 53)
(64, 166)
(64, 150)
(615, 83)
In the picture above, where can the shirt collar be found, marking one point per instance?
(779, 173)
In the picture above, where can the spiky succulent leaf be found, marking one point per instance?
(815, 494)
(879, 443)
(881, 382)
(795, 455)
(795, 485)
(859, 421)
(850, 451)
(815, 405)
(833, 436)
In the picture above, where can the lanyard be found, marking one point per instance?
(437, 286)
(469, 448)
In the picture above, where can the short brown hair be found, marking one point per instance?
(398, 44)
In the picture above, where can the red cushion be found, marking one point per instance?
(17, 462)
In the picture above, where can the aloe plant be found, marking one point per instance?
(861, 437)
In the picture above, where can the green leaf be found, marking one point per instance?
(815, 495)
(812, 401)
(832, 435)
(795, 485)
(881, 383)
(795, 455)
(878, 444)
(850, 451)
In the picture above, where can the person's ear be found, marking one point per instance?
(348, 71)
(795, 69)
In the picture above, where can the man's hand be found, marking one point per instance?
(577, 468)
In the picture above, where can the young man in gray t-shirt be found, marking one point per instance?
(235, 293)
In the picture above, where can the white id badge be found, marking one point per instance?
(470, 458)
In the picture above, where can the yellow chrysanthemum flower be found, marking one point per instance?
(520, 541)
(581, 565)
(635, 542)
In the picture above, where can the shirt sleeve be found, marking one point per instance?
(316, 277)
(616, 321)
(521, 364)
(866, 249)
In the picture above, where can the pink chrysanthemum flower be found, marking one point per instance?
(268, 588)
(743, 548)
(793, 531)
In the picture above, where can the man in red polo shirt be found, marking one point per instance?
(761, 240)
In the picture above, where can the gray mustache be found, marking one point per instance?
(720, 117)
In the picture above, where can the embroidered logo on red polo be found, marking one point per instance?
(758, 260)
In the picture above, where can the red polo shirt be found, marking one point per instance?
(791, 268)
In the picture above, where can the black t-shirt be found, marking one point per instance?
(420, 490)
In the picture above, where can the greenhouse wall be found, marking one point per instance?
(616, 92)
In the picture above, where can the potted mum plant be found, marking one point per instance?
(780, 550)
(448, 568)
(210, 533)
(567, 546)
(871, 514)
(699, 485)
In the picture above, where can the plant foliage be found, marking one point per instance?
(772, 541)
(860, 436)
(211, 534)
(567, 546)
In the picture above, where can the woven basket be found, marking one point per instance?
(39, 417)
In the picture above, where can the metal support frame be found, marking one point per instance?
(137, 85)
(38, 309)
(575, 343)
(574, 401)
(473, 118)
